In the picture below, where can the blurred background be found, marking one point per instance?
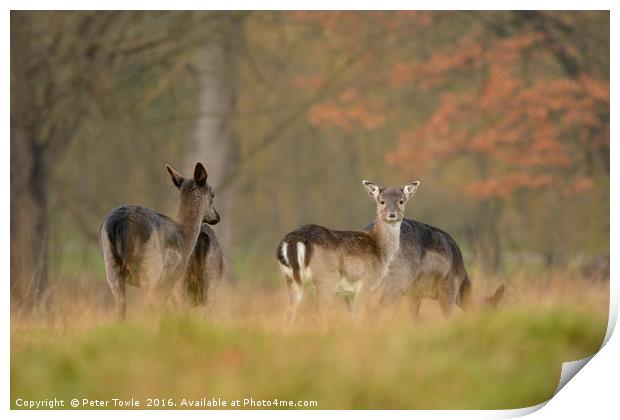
(503, 116)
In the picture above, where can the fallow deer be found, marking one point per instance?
(204, 272)
(429, 264)
(343, 262)
(146, 249)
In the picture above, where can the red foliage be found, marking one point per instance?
(519, 128)
(347, 113)
(501, 98)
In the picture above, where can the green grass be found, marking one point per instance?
(506, 359)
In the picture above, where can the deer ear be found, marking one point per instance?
(176, 177)
(410, 189)
(200, 174)
(372, 189)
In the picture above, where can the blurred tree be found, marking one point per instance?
(71, 71)
(504, 116)
(48, 99)
(535, 116)
(523, 95)
(215, 139)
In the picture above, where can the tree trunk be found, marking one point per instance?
(29, 245)
(214, 140)
(39, 238)
(484, 237)
(20, 227)
(29, 223)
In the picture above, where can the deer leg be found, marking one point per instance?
(117, 286)
(179, 296)
(114, 278)
(163, 288)
(209, 292)
(353, 301)
(214, 272)
(148, 285)
(152, 273)
(325, 293)
(295, 297)
(415, 301)
(447, 297)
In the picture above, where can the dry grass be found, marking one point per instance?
(506, 358)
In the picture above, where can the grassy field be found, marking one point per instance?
(508, 358)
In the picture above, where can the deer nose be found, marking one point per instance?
(392, 215)
(213, 220)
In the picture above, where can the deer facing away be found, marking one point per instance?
(342, 262)
(146, 249)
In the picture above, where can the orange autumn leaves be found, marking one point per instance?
(528, 129)
(348, 113)
(503, 99)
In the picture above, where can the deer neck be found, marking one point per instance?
(190, 220)
(387, 236)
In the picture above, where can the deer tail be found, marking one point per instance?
(294, 258)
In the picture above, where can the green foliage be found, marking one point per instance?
(499, 360)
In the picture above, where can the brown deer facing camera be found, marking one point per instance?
(342, 262)
(146, 249)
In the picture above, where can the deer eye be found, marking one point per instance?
(401, 202)
(382, 202)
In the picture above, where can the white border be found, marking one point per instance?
(309, 5)
(594, 392)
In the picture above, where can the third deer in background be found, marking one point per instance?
(429, 264)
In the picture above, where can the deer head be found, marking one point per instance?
(196, 190)
(391, 201)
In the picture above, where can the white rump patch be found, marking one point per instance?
(301, 260)
(284, 253)
(301, 255)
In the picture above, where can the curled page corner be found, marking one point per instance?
(569, 370)
(519, 412)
